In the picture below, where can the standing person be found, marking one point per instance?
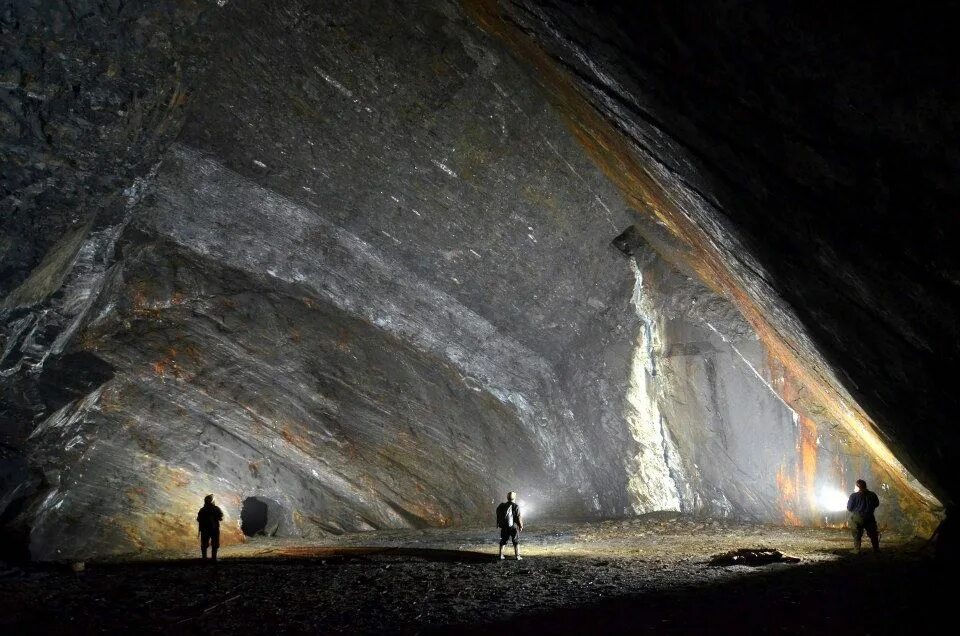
(861, 505)
(510, 523)
(208, 523)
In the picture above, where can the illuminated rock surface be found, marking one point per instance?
(375, 265)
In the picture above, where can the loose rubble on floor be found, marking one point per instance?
(413, 580)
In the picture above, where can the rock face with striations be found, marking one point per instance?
(363, 262)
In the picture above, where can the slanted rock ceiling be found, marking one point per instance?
(786, 148)
(376, 263)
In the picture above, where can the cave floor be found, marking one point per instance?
(644, 575)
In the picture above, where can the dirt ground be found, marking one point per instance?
(648, 575)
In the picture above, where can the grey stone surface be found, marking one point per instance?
(364, 270)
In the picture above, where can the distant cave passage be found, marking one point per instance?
(253, 516)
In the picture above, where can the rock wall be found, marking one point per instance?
(784, 149)
(365, 270)
(725, 417)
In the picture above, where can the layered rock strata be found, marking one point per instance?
(380, 277)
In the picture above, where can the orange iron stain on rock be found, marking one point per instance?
(807, 446)
(787, 488)
(297, 435)
(808, 462)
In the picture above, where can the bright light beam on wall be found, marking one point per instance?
(832, 499)
(526, 509)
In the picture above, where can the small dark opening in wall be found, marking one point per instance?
(629, 241)
(253, 516)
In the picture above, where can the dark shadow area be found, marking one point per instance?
(296, 556)
(856, 595)
(253, 516)
(412, 590)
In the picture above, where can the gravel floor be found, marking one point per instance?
(649, 574)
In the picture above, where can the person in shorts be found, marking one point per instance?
(510, 523)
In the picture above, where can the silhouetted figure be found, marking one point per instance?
(510, 523)
(861, 505)
(208, 523)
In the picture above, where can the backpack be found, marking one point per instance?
(502, 513)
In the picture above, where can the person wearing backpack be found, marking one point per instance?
(510, 523)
